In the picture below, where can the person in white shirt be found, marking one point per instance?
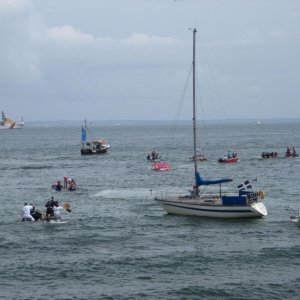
(57, 211)
(25, 213)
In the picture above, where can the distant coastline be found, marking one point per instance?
(72, 123)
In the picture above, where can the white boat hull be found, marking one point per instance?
(12, 126)
(213, 211)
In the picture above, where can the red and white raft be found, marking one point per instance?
(161, 166)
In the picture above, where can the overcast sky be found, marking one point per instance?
(130, 59)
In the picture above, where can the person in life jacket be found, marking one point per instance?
(72, 185)
(26, 213)
(58, 186)
(65, 182)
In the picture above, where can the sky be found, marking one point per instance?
(130, 59)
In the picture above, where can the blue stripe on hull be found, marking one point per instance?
(210, 210)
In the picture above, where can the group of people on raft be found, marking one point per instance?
(269, 155)
(153, 155)
(53, 211)
(69, 184)
(291, 151)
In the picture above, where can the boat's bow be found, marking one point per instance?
(259, 209)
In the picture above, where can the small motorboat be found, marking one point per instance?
(199, 157)
(228, 160)
(160, 166)
(291, 152)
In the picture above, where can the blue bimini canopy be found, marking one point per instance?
(200, 181)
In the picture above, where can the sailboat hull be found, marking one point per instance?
(255, 210)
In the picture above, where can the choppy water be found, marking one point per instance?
(119, 244)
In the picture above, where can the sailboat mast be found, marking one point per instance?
(194, 103)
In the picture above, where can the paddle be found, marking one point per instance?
(67, 207)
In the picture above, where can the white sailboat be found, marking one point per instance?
(246, 203)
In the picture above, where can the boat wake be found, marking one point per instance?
(133, 193)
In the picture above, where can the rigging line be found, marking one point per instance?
(211, 79)
(214, 90)
(174, 124)
(90, 133)
(177, 114)
(202, 111)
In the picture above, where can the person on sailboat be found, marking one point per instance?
(194, 192)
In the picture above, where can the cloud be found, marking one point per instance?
(20, 39)
(142, 39)
(51, 57)
(278, 33)
(68, 36)
(14, 5)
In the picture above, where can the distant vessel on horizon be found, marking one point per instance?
(9, 123)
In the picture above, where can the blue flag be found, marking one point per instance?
(83, 135)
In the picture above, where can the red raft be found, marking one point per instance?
(229, 160)
(160, 166)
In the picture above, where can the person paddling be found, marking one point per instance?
(57, 210)
(49, 208)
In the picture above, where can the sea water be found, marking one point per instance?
(119, 244)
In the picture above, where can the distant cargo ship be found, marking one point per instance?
(8, 123)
